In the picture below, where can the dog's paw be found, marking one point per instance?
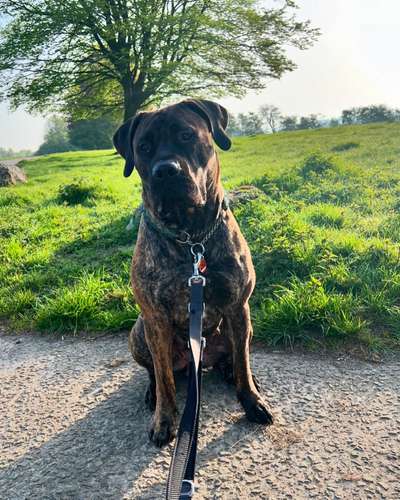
(163, 432)
(255, 409)
(150, 398)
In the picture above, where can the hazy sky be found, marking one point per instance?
(355, 62)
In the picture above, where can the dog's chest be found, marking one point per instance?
(165, 283)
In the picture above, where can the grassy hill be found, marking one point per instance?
(325, 238)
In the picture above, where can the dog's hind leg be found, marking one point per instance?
(141, 354)
(238, 327)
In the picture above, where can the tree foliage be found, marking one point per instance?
(92, 134)
(233, 126)
(289, 123)
(56, 138)
(307, 122)
(128, 54)
(271, 116)
(250, 123)
(370, 114)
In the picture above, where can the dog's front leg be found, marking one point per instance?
(240, 331)
(159, 336)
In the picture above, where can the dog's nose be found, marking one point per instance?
(164, 169)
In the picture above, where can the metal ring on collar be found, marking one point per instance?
(197, 248)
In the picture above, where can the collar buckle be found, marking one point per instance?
(184, 238)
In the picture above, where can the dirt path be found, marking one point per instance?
(73, 426)
(15, 162)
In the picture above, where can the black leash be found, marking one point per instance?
(180, 484)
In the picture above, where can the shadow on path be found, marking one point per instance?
(106, 453)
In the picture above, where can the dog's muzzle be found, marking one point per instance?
(165, 171)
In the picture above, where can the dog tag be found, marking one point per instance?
(202, 265)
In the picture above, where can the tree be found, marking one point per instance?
(250, 123)
(233, 126)
(334, 122)
(369, 114)
(129, 54)
(349, 116)
(289, 123)
(92, 134)
(377, 113)
(308, 122)
(271, 115)
(56, 138)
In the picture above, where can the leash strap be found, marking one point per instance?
(180, 484)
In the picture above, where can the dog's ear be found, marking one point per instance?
(216, 117)
(123, 142)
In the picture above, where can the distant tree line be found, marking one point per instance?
(9, 153)
(68, 134)
(370, 114)
(71, 134)
(269, 119)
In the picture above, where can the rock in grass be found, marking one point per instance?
(243, 194)
(11, 174)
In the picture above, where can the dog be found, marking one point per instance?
(173, 152)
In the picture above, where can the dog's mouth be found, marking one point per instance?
(175, 205)
(176, 211)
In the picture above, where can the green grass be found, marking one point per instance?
(325, 238)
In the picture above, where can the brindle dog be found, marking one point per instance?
(173, 152)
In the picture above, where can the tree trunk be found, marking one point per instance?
(133, 97)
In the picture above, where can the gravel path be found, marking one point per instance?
(15, 162)
(73, 426)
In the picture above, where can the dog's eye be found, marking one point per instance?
(186, 135)
(144, 147)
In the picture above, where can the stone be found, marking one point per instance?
(11, 174)
(244, 194)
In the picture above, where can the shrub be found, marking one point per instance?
(317, 164)
(286, 183)
(77, 192)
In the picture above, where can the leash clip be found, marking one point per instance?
(198, 256)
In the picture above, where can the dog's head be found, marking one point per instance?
(173, 152)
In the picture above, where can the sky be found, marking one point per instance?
(355, 62)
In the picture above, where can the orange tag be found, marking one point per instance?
(202, 265)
